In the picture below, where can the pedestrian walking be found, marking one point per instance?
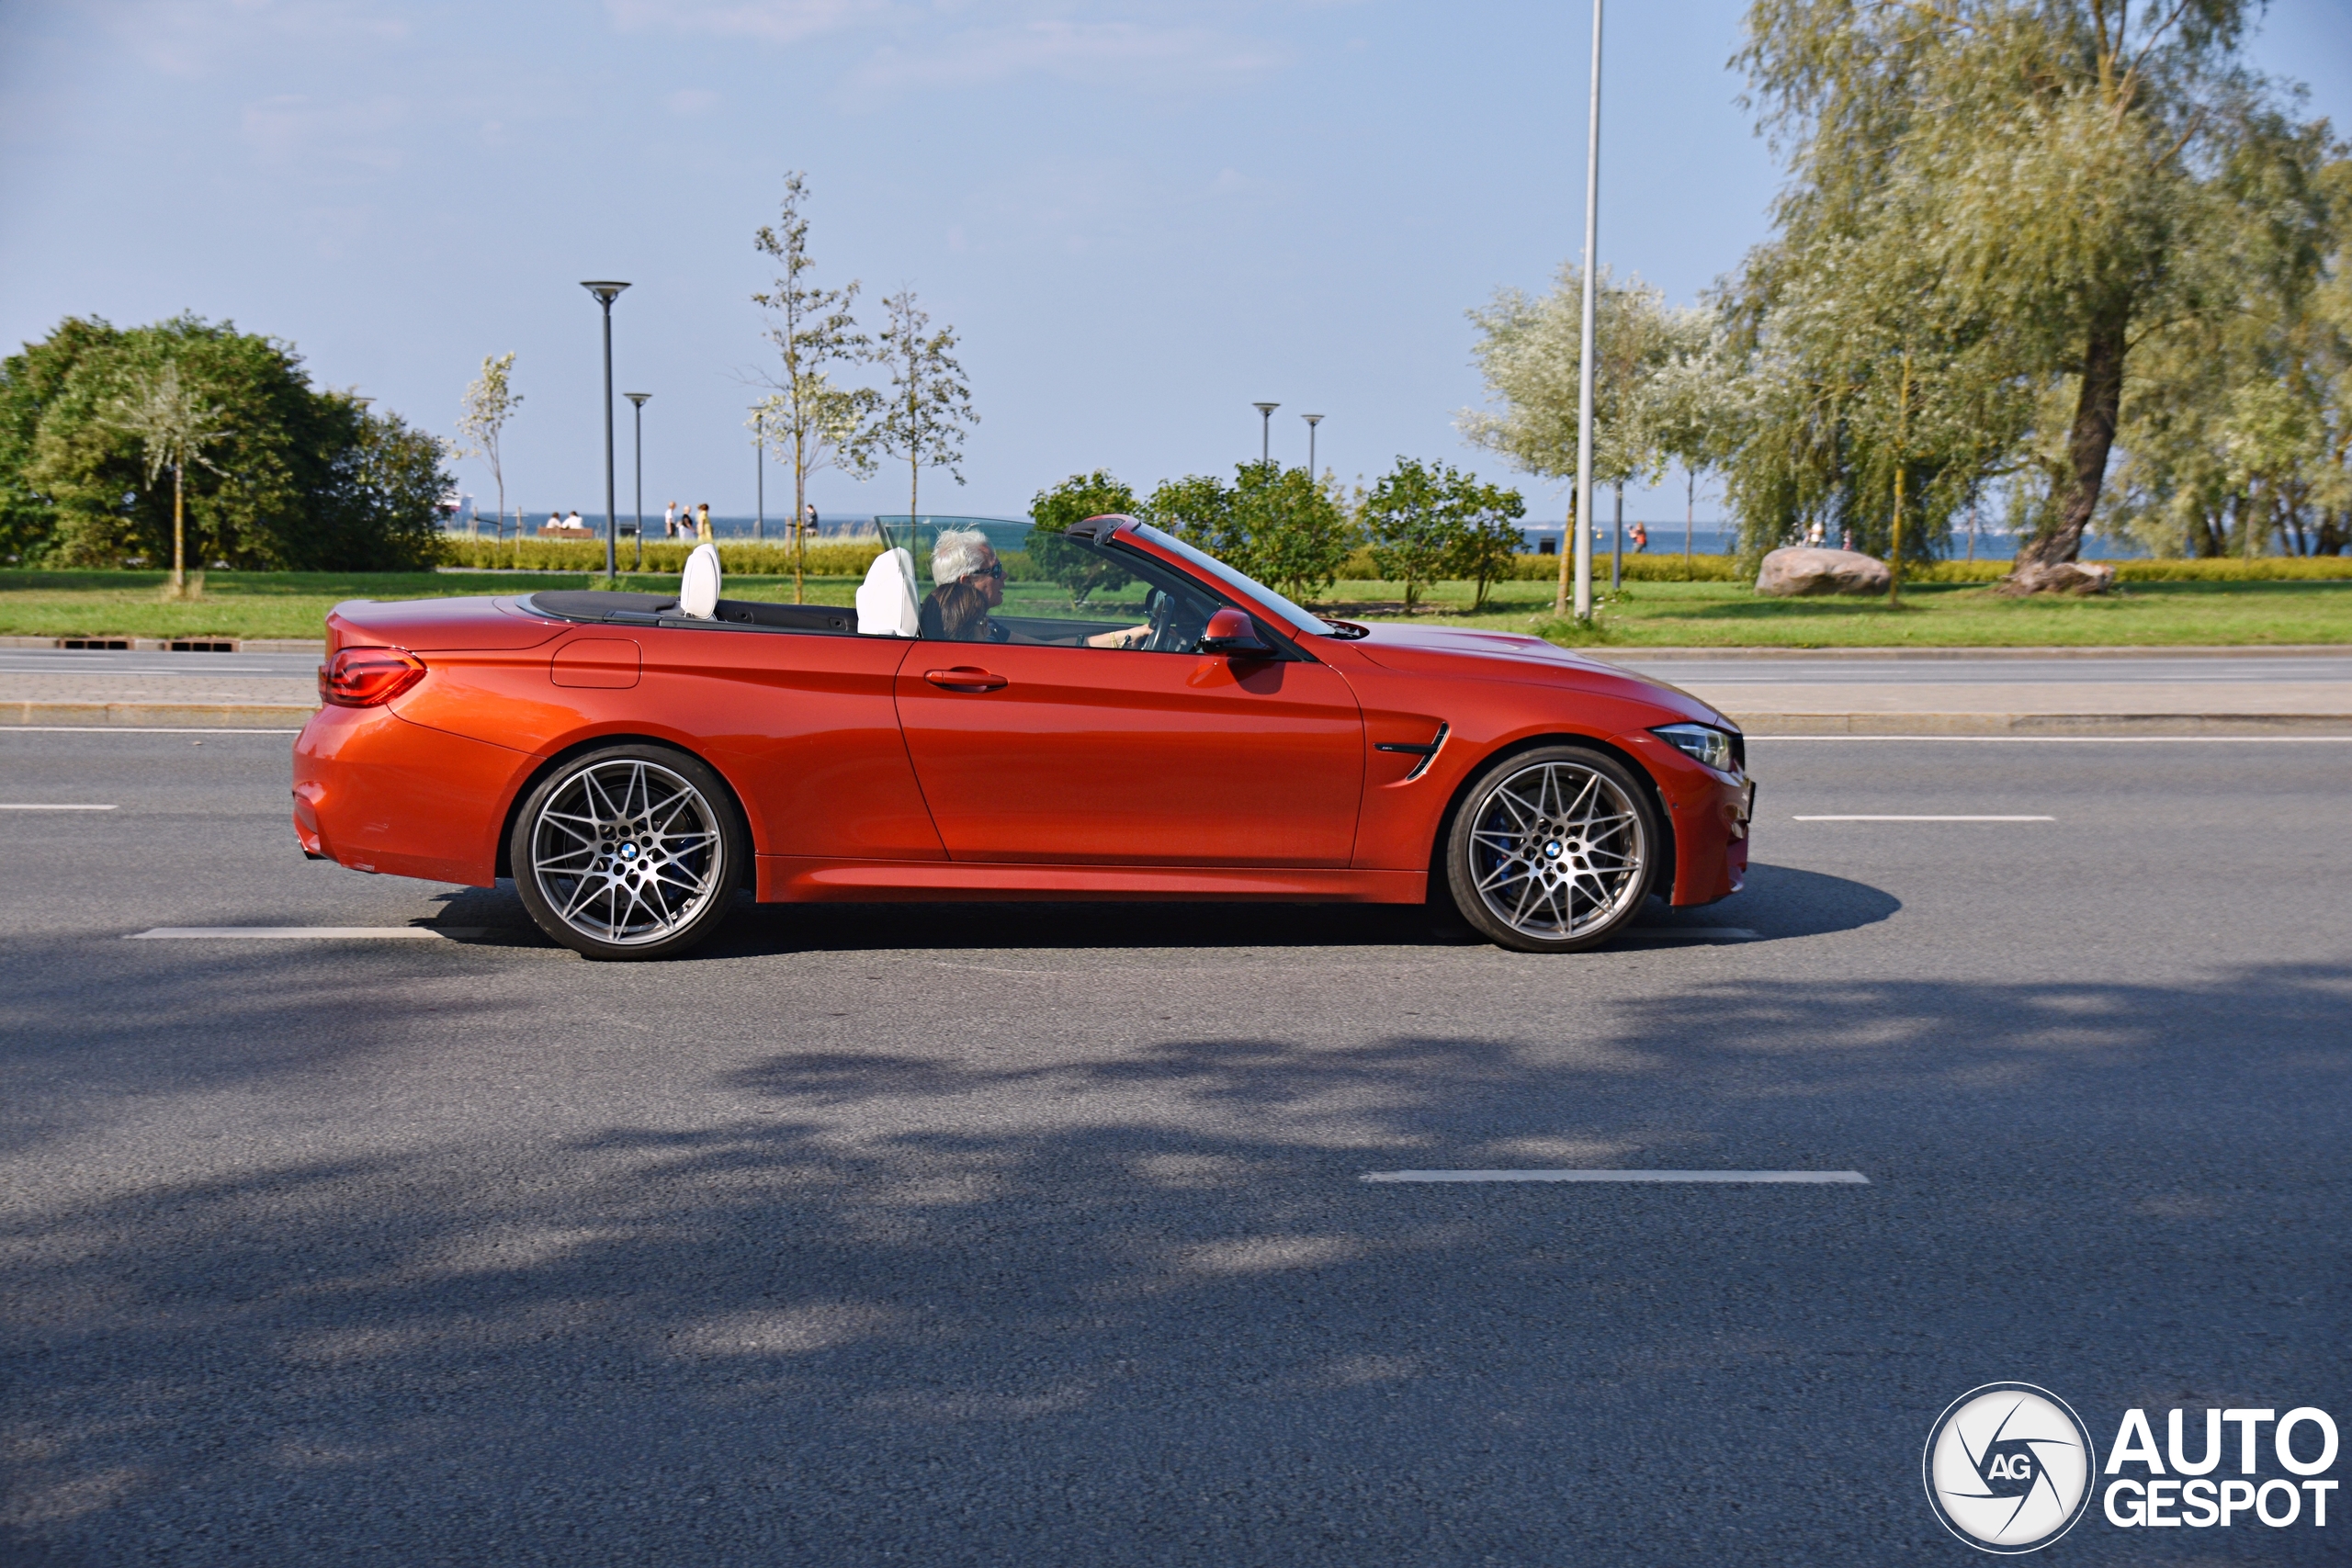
(670, 521)
(1641, 538)
(702, 521)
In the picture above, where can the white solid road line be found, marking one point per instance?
(1698, 933)
(1866, 818)
(269, 933)
(1810, 1177)
(6, 806)
(2088, 740)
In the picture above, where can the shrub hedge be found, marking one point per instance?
(741, 557)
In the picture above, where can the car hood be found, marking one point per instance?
(1478, 654)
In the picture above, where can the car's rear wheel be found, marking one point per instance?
(630, 852)
(1552, 851)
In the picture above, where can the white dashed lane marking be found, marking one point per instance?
(1858, 817)
(1807, 1178)
(337, 934)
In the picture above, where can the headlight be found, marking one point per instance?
(1718, 749)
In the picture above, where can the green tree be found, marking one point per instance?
(1297, 533)
(929, 407)
(286, 488)
(1051, 514)
(2042, 183)
(1413, 526)
(491, 400)
(1489, 540)
(1277, 525)
(172, 426)
(807, 419)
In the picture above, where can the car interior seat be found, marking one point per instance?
(698, 589)
(886, 600)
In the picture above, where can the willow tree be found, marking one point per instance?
(173, 424)
(2066, 175)
(1528, 355)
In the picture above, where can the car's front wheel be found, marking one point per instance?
(1554, 849)
(629, 851)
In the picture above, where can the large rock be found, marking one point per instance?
(1807, 569)
(2057, 577)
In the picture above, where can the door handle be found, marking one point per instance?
(964, 677)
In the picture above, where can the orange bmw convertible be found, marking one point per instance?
(1121, 717)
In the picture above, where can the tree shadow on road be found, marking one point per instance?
(1127, 1301)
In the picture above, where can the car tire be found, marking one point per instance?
(630, 852)
(1554, 849)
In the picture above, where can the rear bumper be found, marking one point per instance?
(374, 793)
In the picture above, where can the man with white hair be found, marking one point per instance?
(971, 583)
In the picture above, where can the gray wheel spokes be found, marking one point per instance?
(628, 851)
(1555, 850)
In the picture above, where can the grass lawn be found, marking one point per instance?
(1682, 615)
(289, 604)
(1716, 614)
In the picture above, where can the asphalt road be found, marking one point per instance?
(1036, 1235)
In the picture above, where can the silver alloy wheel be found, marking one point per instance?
(628, 852)
(1556, 849)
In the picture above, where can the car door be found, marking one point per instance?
(1032, 745)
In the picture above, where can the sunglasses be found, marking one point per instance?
(996, 571)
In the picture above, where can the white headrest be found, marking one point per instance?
(886, 600)
(698, 589)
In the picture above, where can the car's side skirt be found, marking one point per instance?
(792, 879)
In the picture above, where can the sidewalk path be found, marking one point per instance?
(1953, 692)
(1860, 691)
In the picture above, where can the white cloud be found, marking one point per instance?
(771, 21)
(295, 130)
(1128, 53)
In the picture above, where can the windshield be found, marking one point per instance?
(1300, 619)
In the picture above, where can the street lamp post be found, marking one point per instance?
(1265, 430)
(1312, 421)
(637, 402)
(1583, 520)
(606, 294)
(760, 472)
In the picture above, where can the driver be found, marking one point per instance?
(971, 583)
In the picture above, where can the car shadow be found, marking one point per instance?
(1779, 902)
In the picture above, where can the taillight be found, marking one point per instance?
(364, 677)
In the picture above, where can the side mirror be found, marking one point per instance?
(1231, 632)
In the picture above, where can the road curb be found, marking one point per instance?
(149, 716)
(1633, 656)
(1770, 723)
(164, 644)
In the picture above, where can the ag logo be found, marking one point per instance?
(2008, 1468)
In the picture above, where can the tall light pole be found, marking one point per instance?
(1312, 421)
(606, 294)
(760, 472)
(1583, 519)
(637, 402)
(1265, 430)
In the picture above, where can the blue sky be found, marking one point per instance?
(1140, 216)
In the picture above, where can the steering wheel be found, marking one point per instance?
(1163, 615)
